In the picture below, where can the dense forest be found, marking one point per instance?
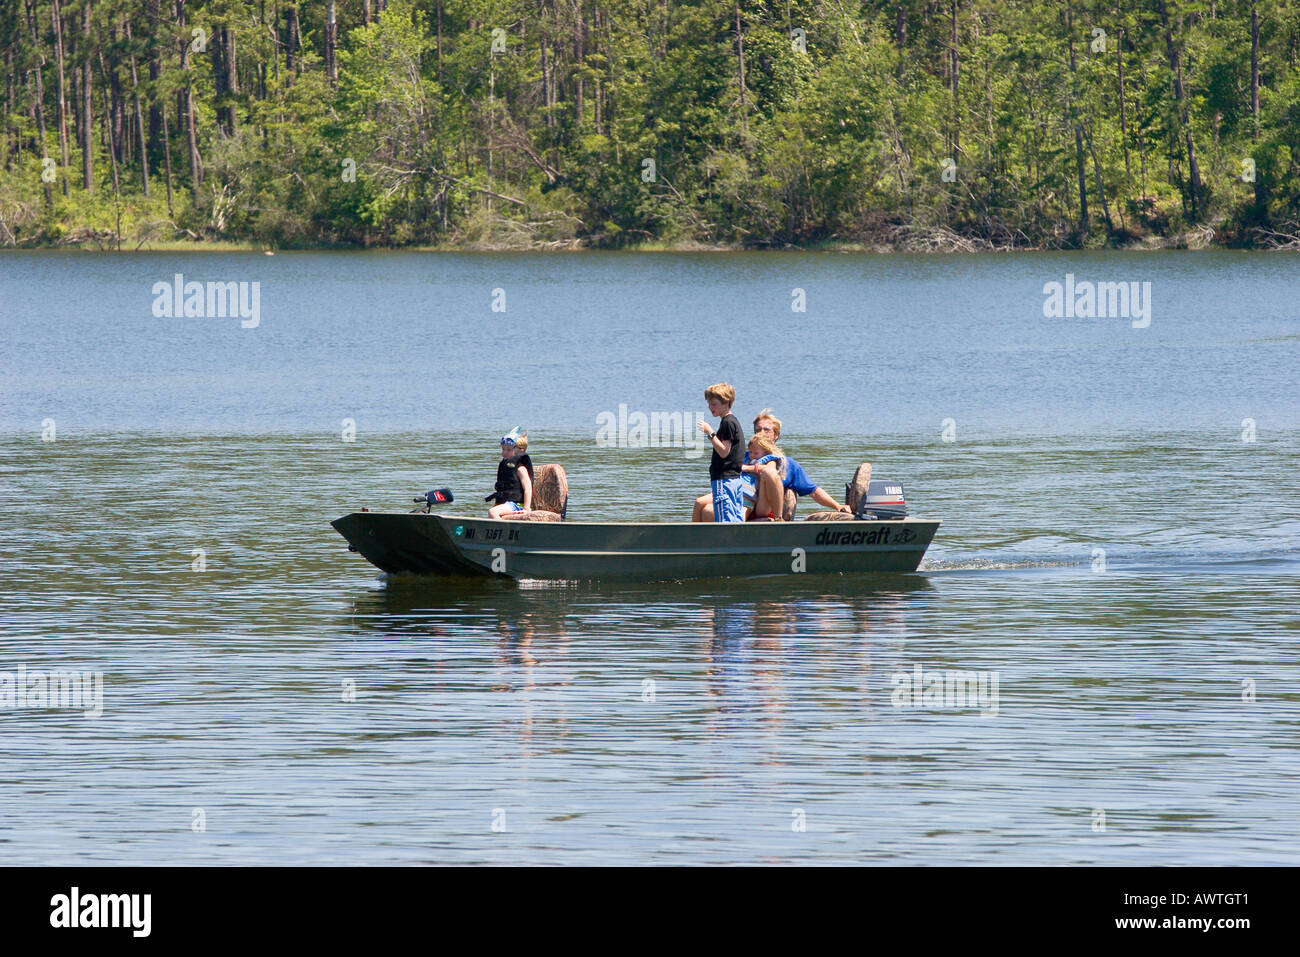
(913, 124)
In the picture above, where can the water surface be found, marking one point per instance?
(1112, 550)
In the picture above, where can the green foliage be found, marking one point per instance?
(765, 123)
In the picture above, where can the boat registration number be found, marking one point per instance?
(495, 534)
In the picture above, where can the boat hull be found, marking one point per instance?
(432, 544)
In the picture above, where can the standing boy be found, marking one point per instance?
(728, 442)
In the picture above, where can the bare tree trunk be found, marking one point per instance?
(579, 54)
(365, 13)
(1119, 68)
(38, 104)
(110, 118)
(56, 15)
(1254, 70)
(1078, 131)
(900, 36)
(261, 62)
(75, 119)
(1176, 69)
(331, 43)
(292, 42)
(1141, 137)
(546, 83)
(224, 75)
(167, 159)
(438, 7)
(740, 48)
(9, 102)
(139, 113)
(117, 122)
(955, 68)
(10, 146)
(232, 75)
(1101, 191)
(153, 14)
(196, 168)
(184, 47)
(1261, 188)
(88, 109)
(275, 32)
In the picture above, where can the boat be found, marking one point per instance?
(442, 544)
(877, 535)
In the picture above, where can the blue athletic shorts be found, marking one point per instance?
(514, 506)
(728, 500)
(750, 492)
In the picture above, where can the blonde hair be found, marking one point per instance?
(771, 417)
(767, 445)
(521, 443)
(722, 392)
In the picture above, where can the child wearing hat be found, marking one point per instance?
(514, 488)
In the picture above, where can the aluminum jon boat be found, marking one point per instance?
(437, 544)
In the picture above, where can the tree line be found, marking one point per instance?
(912, 124)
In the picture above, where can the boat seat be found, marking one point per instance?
(854, 492)
(550, 496)
(536, 515)
(791, 504)
(551, 490)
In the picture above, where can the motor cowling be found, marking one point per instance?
(436, 496)
(884, 500)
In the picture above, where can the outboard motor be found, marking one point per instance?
(437, 496)
(884, 500)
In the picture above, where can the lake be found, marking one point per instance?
(1119, 563)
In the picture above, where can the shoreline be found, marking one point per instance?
(945, 245)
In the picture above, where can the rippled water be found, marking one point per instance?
(1119, 558)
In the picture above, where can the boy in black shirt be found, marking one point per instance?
(728, 454)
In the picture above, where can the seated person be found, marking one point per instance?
(514, 489)
(764, 495)
(794, 479)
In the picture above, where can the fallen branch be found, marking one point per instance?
(430, 171)
(513, 138)
(1274, 239)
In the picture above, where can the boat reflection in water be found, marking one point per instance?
(764, 656)
(732, 656)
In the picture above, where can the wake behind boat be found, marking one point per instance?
(876, 537)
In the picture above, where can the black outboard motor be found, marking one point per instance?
(437, 496)
(884, 500)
